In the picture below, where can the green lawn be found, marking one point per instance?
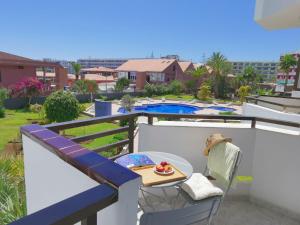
(10, 125)
(10, 129)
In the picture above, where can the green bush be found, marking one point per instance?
(61, 106)
(156, 89)
(204, 92)
(191, 87)
(176, 87)
(12, 194)
(3, 96)
(121, 84)
(2, 112)
(243, 92)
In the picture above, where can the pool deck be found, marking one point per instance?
(116, 105)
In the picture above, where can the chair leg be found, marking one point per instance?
(210, 217)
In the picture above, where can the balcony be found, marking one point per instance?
(67, 183)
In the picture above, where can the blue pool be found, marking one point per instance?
(173, 108)
(222, 108)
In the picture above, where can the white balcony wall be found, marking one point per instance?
(276, 170)
(189, 142)
(250, 109)
(271, 158)
(49, 179)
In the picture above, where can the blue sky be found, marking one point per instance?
(75, 29)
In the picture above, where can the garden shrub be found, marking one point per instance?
(204, 92)
(3, 96)
(61, 106)
(2, 112)
(175, 87)
(191, 87)
(12, 194)
(243, 92)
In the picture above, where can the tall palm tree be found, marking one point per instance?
(220, 68)
(77, 68)
(297, 75)
(286, 63)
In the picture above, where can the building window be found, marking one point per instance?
(132, 76)
(20, 67)
(0, 77)
(154, 77)
(174, 68)
(122, 74)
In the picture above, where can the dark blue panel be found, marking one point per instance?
(113, 173)
(60, 142)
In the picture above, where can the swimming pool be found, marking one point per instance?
(173, 108)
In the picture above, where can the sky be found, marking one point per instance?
(193, 29)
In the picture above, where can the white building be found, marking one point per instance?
(268, 69)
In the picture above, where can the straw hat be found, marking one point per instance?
(214, 139)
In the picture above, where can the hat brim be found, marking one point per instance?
(207, 149)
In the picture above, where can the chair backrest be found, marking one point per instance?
(233, 171)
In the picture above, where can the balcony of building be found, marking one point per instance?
(67, 183)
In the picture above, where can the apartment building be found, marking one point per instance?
(64, 63)
(265, 68)
(109, 63)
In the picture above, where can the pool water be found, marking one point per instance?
(173, 108)
(222, 108)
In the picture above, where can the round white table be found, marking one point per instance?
(182, 164)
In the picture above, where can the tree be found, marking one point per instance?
(286, 63)
(121, 84)
(92, 87)
(77, 68)
(220, 68)
(61, 106)
(28, 88)
(3, 96)
(199, 72)
(127, 102)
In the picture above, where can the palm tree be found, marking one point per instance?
(286, 62)
(77, 68)
(220, 68)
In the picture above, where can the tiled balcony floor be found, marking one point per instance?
(232, 212)
(242, 212)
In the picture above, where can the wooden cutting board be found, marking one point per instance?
(149, 177)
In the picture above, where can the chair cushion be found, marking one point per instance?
(199, 187)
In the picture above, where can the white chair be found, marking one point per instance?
(179, 208)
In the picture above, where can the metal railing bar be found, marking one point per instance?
(100, 134)
(110, 146)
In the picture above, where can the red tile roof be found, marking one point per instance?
(146, 65)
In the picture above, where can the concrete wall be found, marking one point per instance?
(49, 179)
(271, 158)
